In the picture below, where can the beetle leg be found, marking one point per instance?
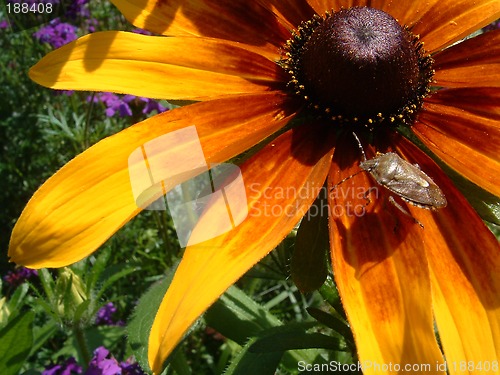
(367, 193)
(401, 208)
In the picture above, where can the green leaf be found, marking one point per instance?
(48, 285)
(9, 308)
(293, 337)
(238, 317)
(82, 312)
(143, 318)
(16, 340)
(42, 334)
(250, 363)
(113, 279)
(337, 324)
(309, 261)
(329, 292)
(99, 266)
(17, 298)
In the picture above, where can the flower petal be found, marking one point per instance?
(131, 63)
(236, 20)
(291, 13)
(406, 12)
(465, 141)
(464, 260)
(481, 101)
(321, 6)
(90, 198)
(281, 182)
(381, 271)
(451, 20)
(472, 63)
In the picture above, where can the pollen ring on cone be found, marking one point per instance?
(359, 66)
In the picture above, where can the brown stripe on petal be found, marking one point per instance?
(472, 63)
(481, 101)
(464, 259)
(406, 12)
(291, 13)
(381, 272)
(451, 20)
(466, 142)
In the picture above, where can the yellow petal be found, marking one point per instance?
(381, 272)
(91, 197)
(156, 67)
(236, 20)
(281, 182)
(451, 20)
(464, 260)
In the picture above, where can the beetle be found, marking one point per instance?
(400, 177)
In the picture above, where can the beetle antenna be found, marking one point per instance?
(360, 146)
(345, 179)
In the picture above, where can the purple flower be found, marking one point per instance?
(91, 24)
(69, 367)
(105, 314)
(103, 363)
(113, 104)
(131, 368)
(77, 9)
(19, 276)
(152, 105)
(122, 106)
(56, 33)
(4, 24)
(148, 105)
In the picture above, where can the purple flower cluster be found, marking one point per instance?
(77, 9)
(114, 104)
(101, 364)
(105, 314)
(123, 105)
(19, 276)
(105, 364)
(4, 24)
(56, 33)
(69, 367)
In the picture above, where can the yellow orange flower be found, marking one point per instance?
(232, 56)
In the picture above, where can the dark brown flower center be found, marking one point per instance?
(360, 65)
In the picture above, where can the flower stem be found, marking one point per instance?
(82, 344)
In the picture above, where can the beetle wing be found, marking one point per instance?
(430, 196)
